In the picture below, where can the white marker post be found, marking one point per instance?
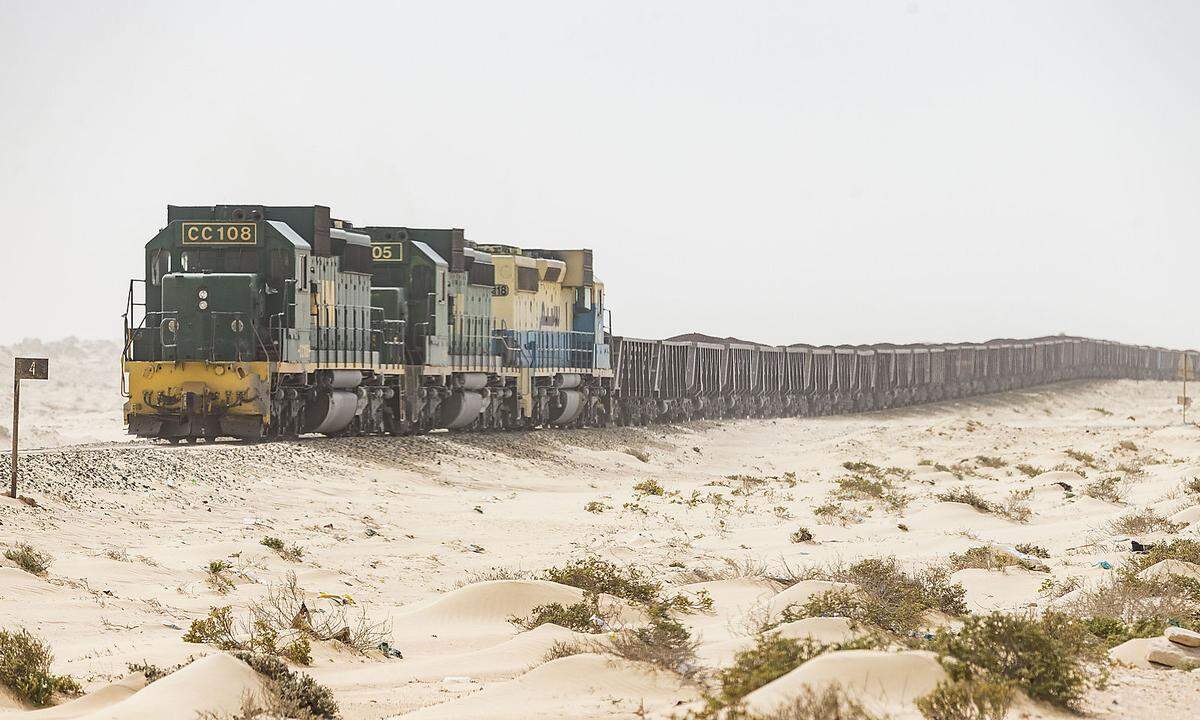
(23, 369)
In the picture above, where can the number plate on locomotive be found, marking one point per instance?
(387, 252)
(219, 233)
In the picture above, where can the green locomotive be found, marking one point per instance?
(260, 322)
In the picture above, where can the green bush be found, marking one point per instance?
(665, 642)
(576, 616)
(25, 669)
(968, 496)
(889, 597)
(1179, 549)
(1053, 658)
(596, 576)
(967, 700)
(1112, 631)
(1108, 489)
(29, 558)
(292, 695)
(1142, 521)
(648, 487)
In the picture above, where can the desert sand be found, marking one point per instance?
(408, 530)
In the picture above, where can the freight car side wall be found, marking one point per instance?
(667, 380)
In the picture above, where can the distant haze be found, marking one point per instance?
(779, 171)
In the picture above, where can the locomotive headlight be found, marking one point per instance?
(236, 326)
(203, 304)
(203, 294)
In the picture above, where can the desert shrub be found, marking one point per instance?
(833, 511)
(25, 669)
(1143, 602)
(1183, 549)
(889, 597)
(1108, 489)
(561, 649)
(285, 609)
(664, 642)
(595, 576)
(1034, 550)
(290, 694)
(293, 553)
(638, 453)
(154, 673)
(1112, 631)
(597, 507)
(991, 461)
(281, 624)
(989, 558)
(1052, 658)
(1132, 469)
(967, 700)
(967, 496)
(1125, 597)
(217, 628)
(583, 616)
(801, 535)
(1029, 470)
(1142, 521)
(1192, 486)
(1016, 506)
(871, 487)
(858, 487)
(217, 576)
(1087, 459)
(29, 558)
(1051, 588)
(648, 487)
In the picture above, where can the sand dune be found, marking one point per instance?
(215, 684)
(883, 681)
(581, 686)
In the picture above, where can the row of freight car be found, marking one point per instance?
(693, 376)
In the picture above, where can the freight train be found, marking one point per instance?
(259, 322)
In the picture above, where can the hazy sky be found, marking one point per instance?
(781, 171)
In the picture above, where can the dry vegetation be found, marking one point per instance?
(29, 558)
(889, 598)
(25, 669)
(282, 624)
